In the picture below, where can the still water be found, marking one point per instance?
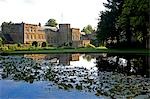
(74, 76)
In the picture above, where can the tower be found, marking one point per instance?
(64, 33)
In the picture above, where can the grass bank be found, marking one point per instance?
(78, 50)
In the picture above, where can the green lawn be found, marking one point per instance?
(79, 50)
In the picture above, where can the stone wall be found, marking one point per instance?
(33, 33)
(23, 33)
(76, 44)
(28, 33)
(75, 34)
(85, 42)
(64, 34)
(13, 33)
(52, 37)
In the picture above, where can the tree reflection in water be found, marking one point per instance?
(109, 76)
(126, 64)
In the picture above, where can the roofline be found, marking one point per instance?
(26, 24)
(64, 24)
(76, 28)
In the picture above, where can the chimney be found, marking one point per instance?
(39, 24)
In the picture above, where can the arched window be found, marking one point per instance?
(35, 43)
(44, 44)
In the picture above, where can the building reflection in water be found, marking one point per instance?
(35, 56)
(63, 59)
(102, 73)
(127, 64)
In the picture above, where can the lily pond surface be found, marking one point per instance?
(75, 76)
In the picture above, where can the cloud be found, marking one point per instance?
(2, 0)
(24, 1)
(28, 1)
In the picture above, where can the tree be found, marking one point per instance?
(1, 41)
(104, 29)
(107, 26)
(127, 20)
(134, 21)
(88, 29)
(52, 23)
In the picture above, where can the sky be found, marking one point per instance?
(78, 13)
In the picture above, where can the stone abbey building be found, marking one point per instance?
(23, 33)
(28, 33)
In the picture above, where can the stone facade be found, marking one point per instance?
(58, 37)
(33, 33)
(75, 32)
(80, 43)
(23, 33)
(65, 35)
(13, 33)
(51, 35)
(29, 33)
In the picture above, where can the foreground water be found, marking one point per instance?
(74, 76)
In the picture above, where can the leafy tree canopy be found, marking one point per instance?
(134, 20)
(1, 41)
(107, 20)
(88, 29)
(125, 20)
(52, 23)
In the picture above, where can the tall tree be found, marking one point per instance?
(107, 26)
(88, 29)
(134, 21)
(1, 41)
(52, 23)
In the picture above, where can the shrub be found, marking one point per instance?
(22, 48)
(12, 47)
(32, 48)
(4, 48)
(68, 47)
(1, 41)
(19, 44)
(90, 46)
(50, 45)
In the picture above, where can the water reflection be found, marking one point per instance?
(127, 64)
(115, 76)
(63, 59)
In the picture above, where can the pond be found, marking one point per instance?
(74, 76)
